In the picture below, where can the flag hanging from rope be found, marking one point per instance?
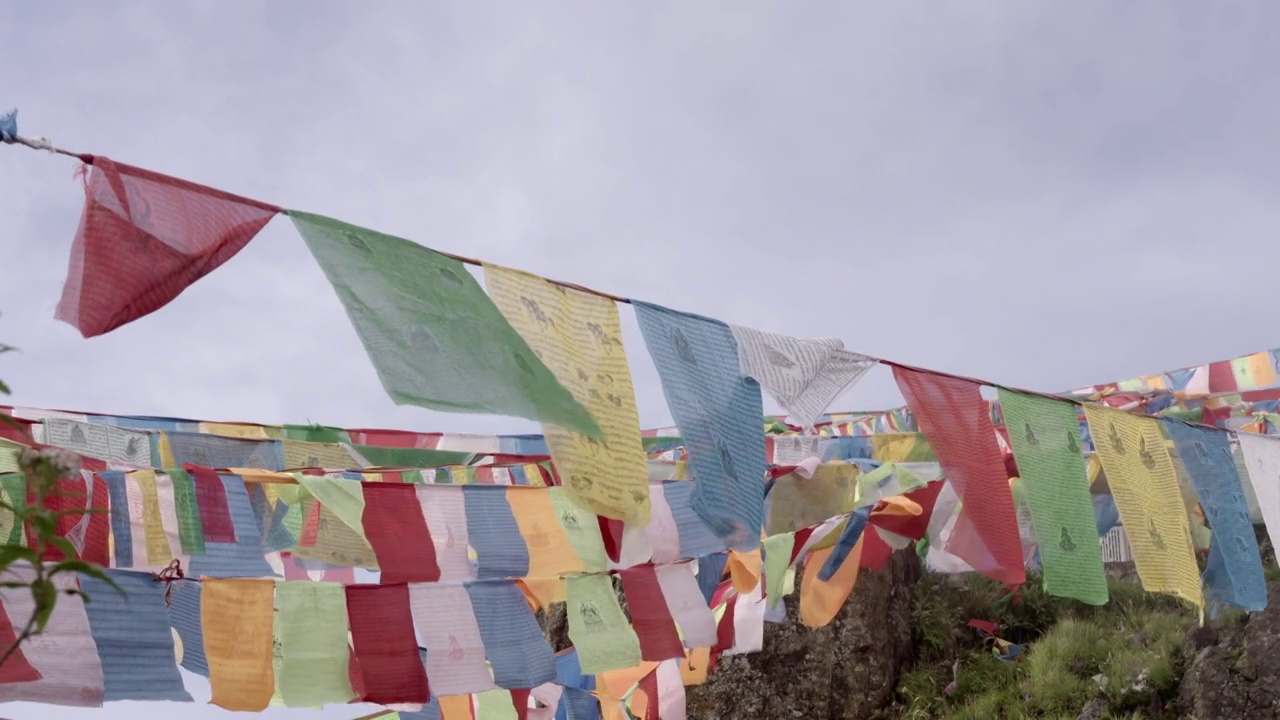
(144, 238)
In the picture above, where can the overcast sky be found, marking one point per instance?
(1043, 196)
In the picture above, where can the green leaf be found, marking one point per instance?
(68, 550)
(11, 553)
(93, 571)
(45, 594)
(45, 523)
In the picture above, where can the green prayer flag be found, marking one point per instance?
(411, 457)
(14, 487)
(597, 626)
(311, 620)
(1045, 435)
(777, 559)
(495, 705)
(190, 529)
(434, 336)
(583, 530)
(316, 433)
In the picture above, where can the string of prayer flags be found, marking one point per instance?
(1261, 456)
(650, 617)
(1233, 574)
(446, 622)
(957, 422)
(64, 654)
(392, 521)
(386, 651)
(236, 619)
(579, 337)
(434, 336)
(804, 376)
(144, 238)
(311, 623)
(718, 412)
(1145, 486)
(137, 655)
(513, 642)
(1045, 435)
(597, 626)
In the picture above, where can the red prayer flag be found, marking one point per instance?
(17, 668)
(725, 631)
(520, 700)
(611, 533)
(85, 523)
(1222, 377)
(144, 238)
(652, 621)
(397, 531)
(957, 423)
(385, 646)
(211, 498)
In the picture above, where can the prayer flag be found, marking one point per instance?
(579, 337)
(133, 637)
(513, 641)
(597, 626)
(650, 617)
(64, 655)
(386, 650)
(1145, 486)
(803, 375)
(393, 522)
(447, 624)
(718, 412)
(434, 337)
(1045, 435)
(236, 622)
(144, 238)
(1233, 574)
(957, 422)
(1261, 455)
(311, 622)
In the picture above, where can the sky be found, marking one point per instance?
(1047, 195)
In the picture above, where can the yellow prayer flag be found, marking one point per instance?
(579, 337)
(1145, 486)
(551, 555)
(158, 551)
(234, 430)
(901, 447)
(744, 570)
(693, 669)
(821, 601)
(236, 617)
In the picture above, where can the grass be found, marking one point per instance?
(1133, 641)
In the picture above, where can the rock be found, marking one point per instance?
(847, 670)
(1095, 709)
(1238, 676)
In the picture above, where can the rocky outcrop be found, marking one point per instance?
(1234, 671)
(847, 670)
